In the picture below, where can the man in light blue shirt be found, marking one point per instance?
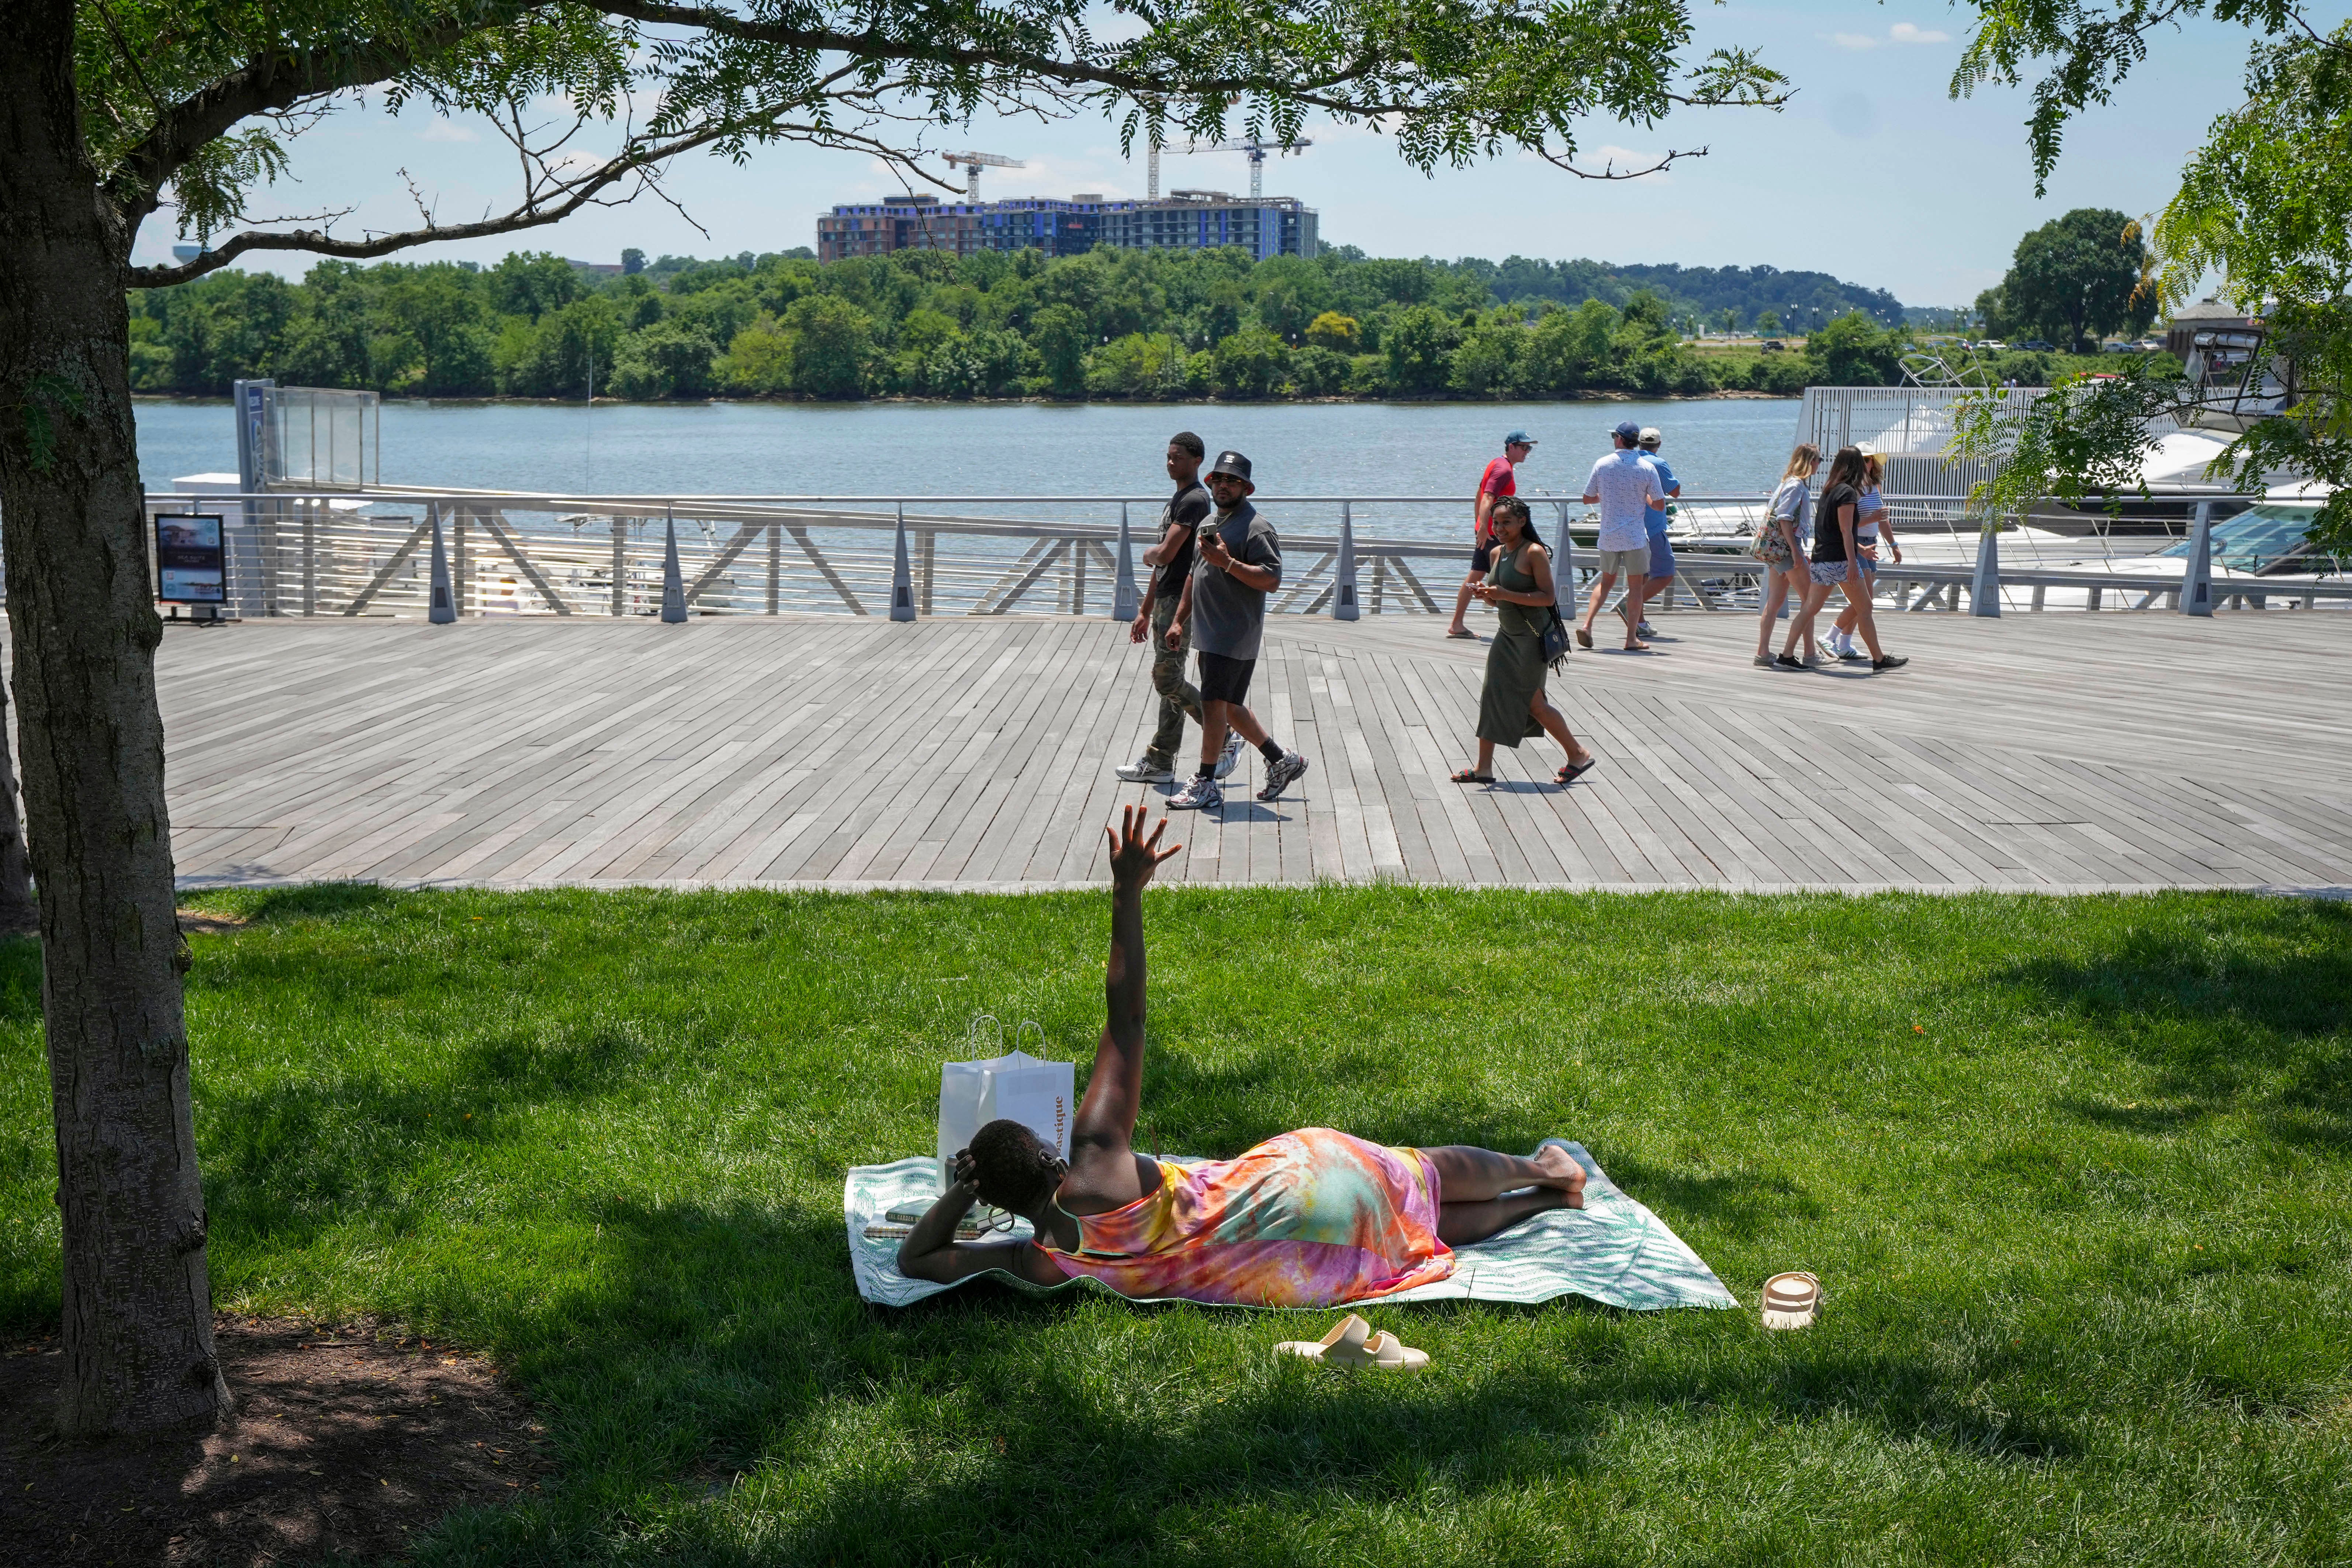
(1625, 484)
(1660, 574)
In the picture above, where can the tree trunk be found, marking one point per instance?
(18, 911)
(137, 1304)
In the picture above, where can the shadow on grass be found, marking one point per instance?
(1746, 1204)
(2247, 1021)
(322, 900)
(295, 1159)
(986, 1424)
(20, 980)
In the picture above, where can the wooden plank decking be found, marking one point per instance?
(2061, 752)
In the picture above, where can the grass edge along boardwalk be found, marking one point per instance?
(2076, 1174)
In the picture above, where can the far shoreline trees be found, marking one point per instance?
(1106, 325)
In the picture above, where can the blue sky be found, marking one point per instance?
(1871, 173)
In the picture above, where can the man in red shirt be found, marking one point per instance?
(1498, 480)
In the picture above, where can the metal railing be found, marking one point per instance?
(345, 553)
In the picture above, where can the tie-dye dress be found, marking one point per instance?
(1311, 1218)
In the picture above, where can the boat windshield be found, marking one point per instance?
(2258, 538)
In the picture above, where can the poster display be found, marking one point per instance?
(191, 565)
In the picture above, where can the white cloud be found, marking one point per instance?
(440, 130)
(1901, 33)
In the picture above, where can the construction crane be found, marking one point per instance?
(975, 162)
(1256, 149)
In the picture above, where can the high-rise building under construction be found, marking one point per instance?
(1186, 220)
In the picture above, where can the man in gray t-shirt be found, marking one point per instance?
(1223, 605)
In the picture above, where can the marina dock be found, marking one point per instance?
(2048, 754)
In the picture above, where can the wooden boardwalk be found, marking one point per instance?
(2059, 751)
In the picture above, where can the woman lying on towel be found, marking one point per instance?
(1308, 1219)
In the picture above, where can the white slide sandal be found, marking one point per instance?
(1792, 1301)
(1345, 1343)
(1351, 1343)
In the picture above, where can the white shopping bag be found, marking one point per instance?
(1016, 1086)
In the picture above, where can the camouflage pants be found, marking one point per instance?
(1174, 698)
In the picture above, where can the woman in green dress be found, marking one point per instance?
(1512, 707)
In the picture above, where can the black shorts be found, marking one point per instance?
(1482, 556)
(1226, 679)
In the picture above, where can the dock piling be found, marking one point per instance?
(1123, 599)
(902, 577)
(2197, 588)
(1984, 589)
(441, 609)
(1343, 578)
(673, 580)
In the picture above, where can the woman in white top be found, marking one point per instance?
(1871, 525)
(1780, 543)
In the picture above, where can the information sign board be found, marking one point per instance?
(191, 565)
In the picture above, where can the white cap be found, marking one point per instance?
(1650, 437)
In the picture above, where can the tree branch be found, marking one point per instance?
(535, 211)
(269, 83)
(876, 47)
(1610, 171)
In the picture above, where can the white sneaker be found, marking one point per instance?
(1231, 757)
(1199, 794)
(1281, 774)
(1143, 770)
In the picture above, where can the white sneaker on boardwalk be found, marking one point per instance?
(1231, 757)
(1143, 770)
(1280, 775)
(1200, 794)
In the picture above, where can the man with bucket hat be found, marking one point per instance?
(1500, 479)
(1240, 563)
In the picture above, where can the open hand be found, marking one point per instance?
(1133, 858)
(967, 1174)
(1141, 628)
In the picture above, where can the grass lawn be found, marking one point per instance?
(2077, 1175)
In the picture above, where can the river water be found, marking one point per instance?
(1716, 447)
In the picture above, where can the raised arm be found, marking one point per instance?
(1102, 1138)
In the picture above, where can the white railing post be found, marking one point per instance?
(1123, 598)
(2197, 585)
(902, 577)
(673, 580)
(620, 565)
(1984, 590)
(440, 608)
(1343, 578)
(775, 565)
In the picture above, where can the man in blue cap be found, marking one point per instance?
(1500, 479)
(1625, 484)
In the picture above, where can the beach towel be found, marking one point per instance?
(1612, 1250)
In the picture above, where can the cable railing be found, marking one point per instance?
(345, 553)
